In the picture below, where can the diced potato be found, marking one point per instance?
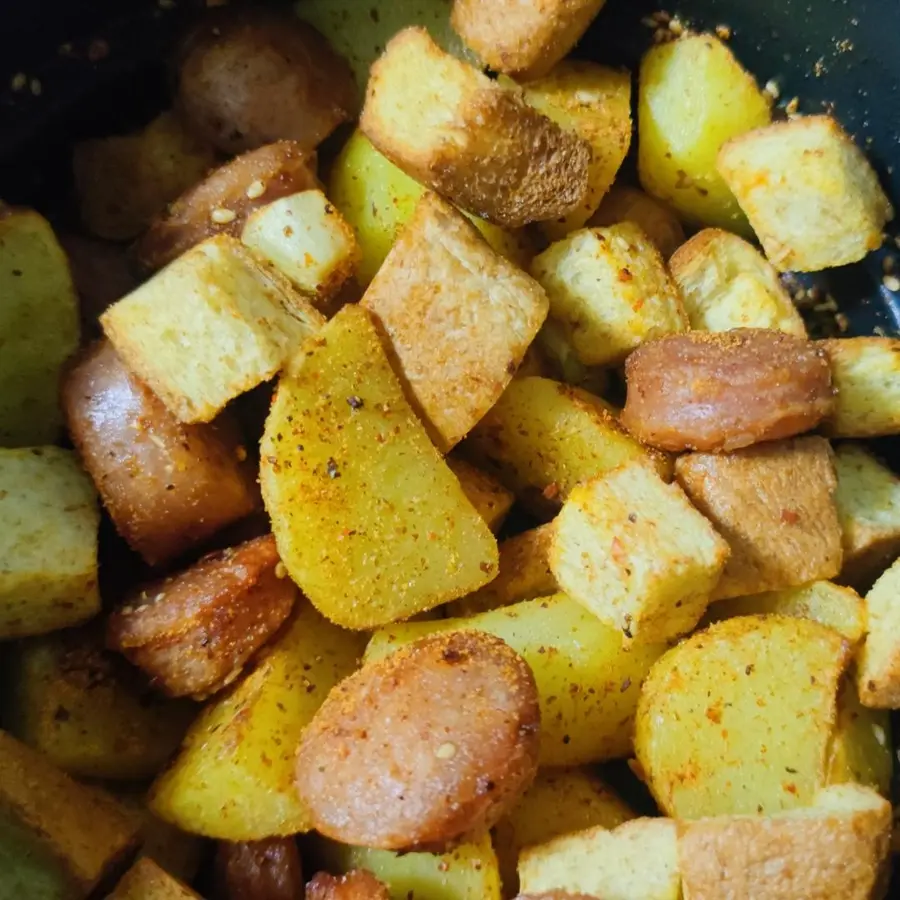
(542, 438)
(378, 199)
(693, 96)
(654, 218)
(633, 551)
(123, 181)
(214, 324)
(59, 839)
(491, 500)
(587, 677)
(609, 289)
(39, 324)
(523, 574)
(48, 542)
(726, 283)
(145, 880)
(457, 317)
(87, 711)
(234, 776)
(866, 375)
(523, 39)
(308, 241)
(441, 120)
(878, 665)
(837, 607)
(469, 872)
(562, 362)
(809, 193)
(774, 504)
(560, 801)
(637, 859)
(739, 718)
(595, 103)
(370, 521)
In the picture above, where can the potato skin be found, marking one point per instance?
(424, 747)
(239, 187)
(167, 486)
(250, 77)
(358, 884)
(193, 632)
(258, 870)
(727, 390)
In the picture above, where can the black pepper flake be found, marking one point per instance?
(566, 739)
(749, 669)
(625, 685)
(61, 714)
(632, 517)
(332, 468)
(789, 769)
(355, 402)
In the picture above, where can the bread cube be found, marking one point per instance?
(725, 283)
(610, 290)
(526, 39)
(457, 317)
(214, 324)
(809, 193)
(491, 500)
(637, 859)
(308, 241)
(878, 663)
(449, 126)
(774, 504)
(48, 542)
(866, 376)
(633, 550)
(145, 880)
(652, 216)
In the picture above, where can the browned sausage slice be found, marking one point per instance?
(359, 884)
(421, 748)
(258, 870)
(556, 895)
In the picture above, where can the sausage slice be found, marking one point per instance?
(258, 870)
(358, 884)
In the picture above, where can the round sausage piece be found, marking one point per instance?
(258, 870)
(358, 884)
(417, 750)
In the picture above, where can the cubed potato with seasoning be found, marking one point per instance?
(146, 880)
(878, 666)
(628, 204)
(484, 492)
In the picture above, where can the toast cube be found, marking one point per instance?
(457, 318)
(308, 241)
(450, 127)
(492, 501)
(145, 880)
(632, 550)
(809, 193)
(609, 289)
(212, 325)
(48, 542)
(726, 283)
(866, 376)
(878, 663)
(774, 504)
(524, 39)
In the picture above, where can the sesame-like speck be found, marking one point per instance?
(280, 570)
(772, 89)
(891, 282)
(255, 190)
(446, 751)
(222, 216)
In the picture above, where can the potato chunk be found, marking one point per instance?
(725, 283)
(878, 666)
(370, 521)
(484, 492)
(48, 542)
(452, 128)
(809, 193)
(739, 718)
(145, 880)
(774, 504)
(208, 328)
(632, 550)
(261, 870)
(693, 96)
(523, 39)
(458, 318)
(655, 219)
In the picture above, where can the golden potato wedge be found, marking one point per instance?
(627, 204)
(587, 676)
(357, 884)
(738, 719)
(726, 283)
(523, 39)
(610, 291)
(878, 665)
(491, 500)
(809, 192)
(261, 870)
(693, 96)
(450, 127)
(542, 438)
(370, 521)
(774, 505)
(234, 776)
(145, 880)
(456, 316)
(866, 375)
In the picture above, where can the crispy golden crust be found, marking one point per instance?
(726, 390)
(424, 747)
(258, 870)
(167, 486)
(221, 203)
(193, 632)
(358, 884)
